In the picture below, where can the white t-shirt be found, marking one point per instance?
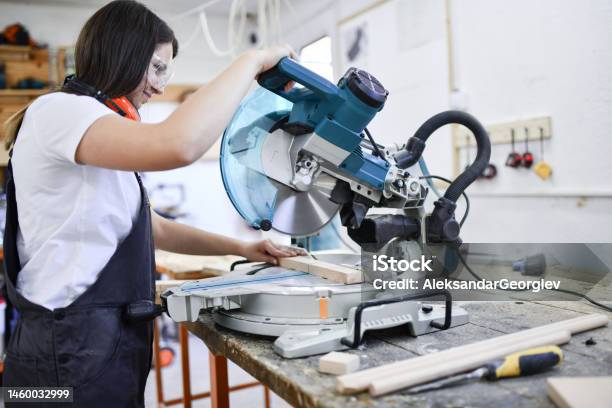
(71, 216)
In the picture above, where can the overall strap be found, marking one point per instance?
(12, 264)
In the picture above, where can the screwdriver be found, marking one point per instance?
(526, 362)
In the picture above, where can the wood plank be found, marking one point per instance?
(335, 273)
(515, 316)
(394, 380)
(580, 392)
(180, 266)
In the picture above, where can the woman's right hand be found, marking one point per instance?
(269, 57)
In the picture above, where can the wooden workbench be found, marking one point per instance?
(299, 382)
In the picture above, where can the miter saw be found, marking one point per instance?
(290, 161)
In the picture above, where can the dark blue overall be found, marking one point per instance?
(89, 345)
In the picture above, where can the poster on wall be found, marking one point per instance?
(354, 45)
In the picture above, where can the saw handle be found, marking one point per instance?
(276, 78)
(448, 312)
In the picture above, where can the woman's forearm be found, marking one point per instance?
(200, 120)
(183, 239)
(117, 143)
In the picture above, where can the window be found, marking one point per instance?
(317, 56)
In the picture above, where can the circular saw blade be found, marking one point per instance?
(302, 213)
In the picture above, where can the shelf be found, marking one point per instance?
(21, 53)
(15, 48)
(23, 92)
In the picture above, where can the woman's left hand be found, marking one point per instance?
(267, 251)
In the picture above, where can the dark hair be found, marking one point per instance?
(113, 52)
(116, 44)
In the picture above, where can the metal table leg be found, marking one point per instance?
(219, 388)
(158, 373)
(184, 341)
(266, 397)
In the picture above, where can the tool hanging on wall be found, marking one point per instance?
(489, 172)
(527, 156)
(514, 159)
(542, 169)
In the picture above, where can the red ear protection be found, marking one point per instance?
(121, 105)
(124, 107)
(527, 159)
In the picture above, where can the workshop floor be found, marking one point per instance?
(200, 381)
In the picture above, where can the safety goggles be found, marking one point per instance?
(160, 72)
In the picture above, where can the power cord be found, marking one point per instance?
(375, 146)
(425, 171)
(585, 297)
(467, 200)
(570, 292)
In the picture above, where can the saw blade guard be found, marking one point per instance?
(251, 192)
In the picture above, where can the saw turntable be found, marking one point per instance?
(291, 161)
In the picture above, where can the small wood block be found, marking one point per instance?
(580, 392)
(338, 363)
(335, 273)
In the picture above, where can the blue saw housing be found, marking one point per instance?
(338, 114)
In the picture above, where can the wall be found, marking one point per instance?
(511, 60)
(523, 59)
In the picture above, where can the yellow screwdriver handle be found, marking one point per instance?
(526, 362)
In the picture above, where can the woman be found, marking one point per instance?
(79, 235)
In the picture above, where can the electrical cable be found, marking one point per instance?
(260, 268)
(239, 262)
(194, 10)
(425, 171)
(465, 196)
(570, 292)
(375, 146)
(185, 45)
(585, 297)
(210, 41)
